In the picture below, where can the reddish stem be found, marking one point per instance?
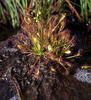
(30, 6)
(22, 19)
(74, 10)
(31, 70)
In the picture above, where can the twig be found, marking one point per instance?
(33, 66)
(17, 88)
(30, 6)
(74, 10)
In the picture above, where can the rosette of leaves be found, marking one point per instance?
(46, 32)
(50, 42)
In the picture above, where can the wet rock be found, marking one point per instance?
(12, 50)
(16, 97)
(8, 91)
(1, 60)
(18, 61)
(83, 75)
(24, 58)
(10, 43)
(5, 92)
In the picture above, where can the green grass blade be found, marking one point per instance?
(2, 12)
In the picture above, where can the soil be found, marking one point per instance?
(16, 77)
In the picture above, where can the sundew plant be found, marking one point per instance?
(44, 30)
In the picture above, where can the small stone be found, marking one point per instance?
(18, 61)
(1, 61)
(16, 97)
(14, 69)
(83, 75)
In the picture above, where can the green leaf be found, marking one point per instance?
(39, 47)
(49, 48)
(34, 40)
(86, 66)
